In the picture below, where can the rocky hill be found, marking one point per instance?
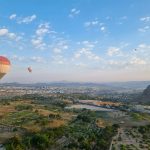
(145, 97)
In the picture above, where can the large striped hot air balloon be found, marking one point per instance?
(4, 66)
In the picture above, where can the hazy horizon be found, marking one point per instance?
(82, 82)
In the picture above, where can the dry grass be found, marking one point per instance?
(32, 128)
(100, 103)
(56, 123)
(21, 102)
(5, 109)
(67, 101)
(102, 123)
(45, 113)
(67, 116)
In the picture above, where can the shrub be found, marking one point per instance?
(23, 107)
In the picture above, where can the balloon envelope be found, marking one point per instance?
(29, 69)
(4, 66)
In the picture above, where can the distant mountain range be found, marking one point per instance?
(134, 85)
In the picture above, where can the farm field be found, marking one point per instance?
(29, 117)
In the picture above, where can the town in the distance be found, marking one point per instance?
(71, 115)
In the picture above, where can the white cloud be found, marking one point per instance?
(65, 47)
(113, 62)
(78, 55)
(43, 29)
(26, 20)
(137, 61)
(74, 12)
(40, 33)
(46, 38)
(38, 43)
(13, 36)
(59, 46)
(87, 24)
(91, 23)
(17, 58)
(81, 65)
(10, 35)
(85, 52)
(144, 29)
(37, 59)
(145, 19)
(143, 50)
(59, 59)
(133, 62)
(88, 44)
(95, 24)
(21, 20)
(3, 32)
(113, 51)
(143, 46)
(108, 18)
(124, 18)
(103, 29)
(57, 50)
(13, 16)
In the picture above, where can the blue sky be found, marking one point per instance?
(76, 40)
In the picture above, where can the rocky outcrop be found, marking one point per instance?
(145, 97)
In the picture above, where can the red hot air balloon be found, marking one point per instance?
(4, 66)
(29, 69)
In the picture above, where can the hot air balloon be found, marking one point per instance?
(29, 69)
(4, 66)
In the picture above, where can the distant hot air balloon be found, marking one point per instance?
(29, 69)
(4, 66)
